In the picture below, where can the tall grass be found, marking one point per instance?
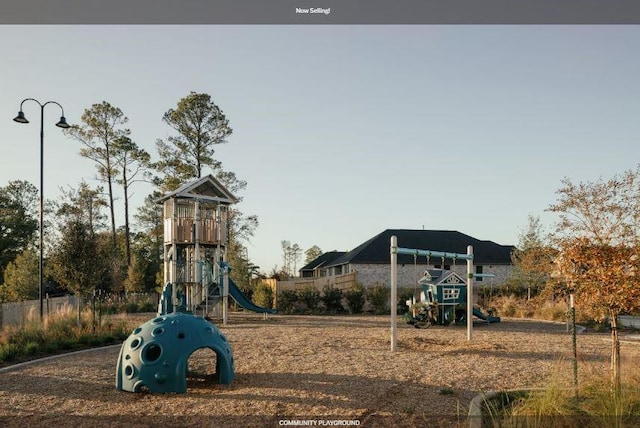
(597, 403)
(59, 333)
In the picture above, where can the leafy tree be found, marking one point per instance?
(21, 278)
(263, 296)
(84, 204)
(135, 280)
(18, 220)
(532, 259)
(149, 219)
(599, 257)
(200, 125)
(312, 254)
(78, 263)
(132, 163)
(103, 126)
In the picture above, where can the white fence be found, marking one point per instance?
(19, 313)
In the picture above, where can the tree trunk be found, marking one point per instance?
(79, 306)
(615, 353)
(127, 238)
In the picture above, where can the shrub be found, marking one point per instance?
(263, 296)
(332, 299)
(355, 299)
(31, 348)
(310, 296)
(378, 295)
(148, 307)
(9, 352)
(131, 308)
(405, 295)
(287, 301)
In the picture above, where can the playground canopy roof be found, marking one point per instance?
(376, 249)
(206, 188)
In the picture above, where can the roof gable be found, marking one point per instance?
(323, 259)
(205, 188)
(376, 249)
(439, 276)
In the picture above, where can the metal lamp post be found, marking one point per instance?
(62, 123)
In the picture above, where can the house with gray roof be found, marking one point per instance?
(315, 268)
(371, 259)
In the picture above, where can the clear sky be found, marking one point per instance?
(344, 131)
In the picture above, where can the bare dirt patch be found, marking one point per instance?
(294, 368)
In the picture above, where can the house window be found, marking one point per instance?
(479, 271)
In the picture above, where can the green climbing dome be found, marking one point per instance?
(155, 355)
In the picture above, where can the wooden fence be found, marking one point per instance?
(19, 313)
(342, 282)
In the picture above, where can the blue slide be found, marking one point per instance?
(243, 301)
(488, 318)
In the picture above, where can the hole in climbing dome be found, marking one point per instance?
(151, 353)
(181, 335)
(158, 320)
(135, 343)
(129, 371)
(158, 331)
(202, 368)
(137, 330)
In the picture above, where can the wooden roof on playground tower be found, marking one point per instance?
(376, 249)
(205, 188)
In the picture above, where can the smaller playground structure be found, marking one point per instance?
(449, 299)
(155, 356)
(443, 298)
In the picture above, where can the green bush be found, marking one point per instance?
(131, 308)
(378, 296)
(287, 301)
(31, 348)
(332, 299)
(263, 296)
(148, 307)
(405, 295)
(310, 296)
(9, 352)
(355, 299)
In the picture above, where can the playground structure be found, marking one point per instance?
(197, 283)
(443, 298)
(453, 298)
(155, 356)
(196, 271)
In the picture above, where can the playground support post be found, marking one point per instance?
(394, 290)
(469, 292)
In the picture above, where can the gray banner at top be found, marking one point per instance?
(320, 12)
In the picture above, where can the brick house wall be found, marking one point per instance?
(408, 274)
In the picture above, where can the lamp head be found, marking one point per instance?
(20, 118)
(62, 123)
